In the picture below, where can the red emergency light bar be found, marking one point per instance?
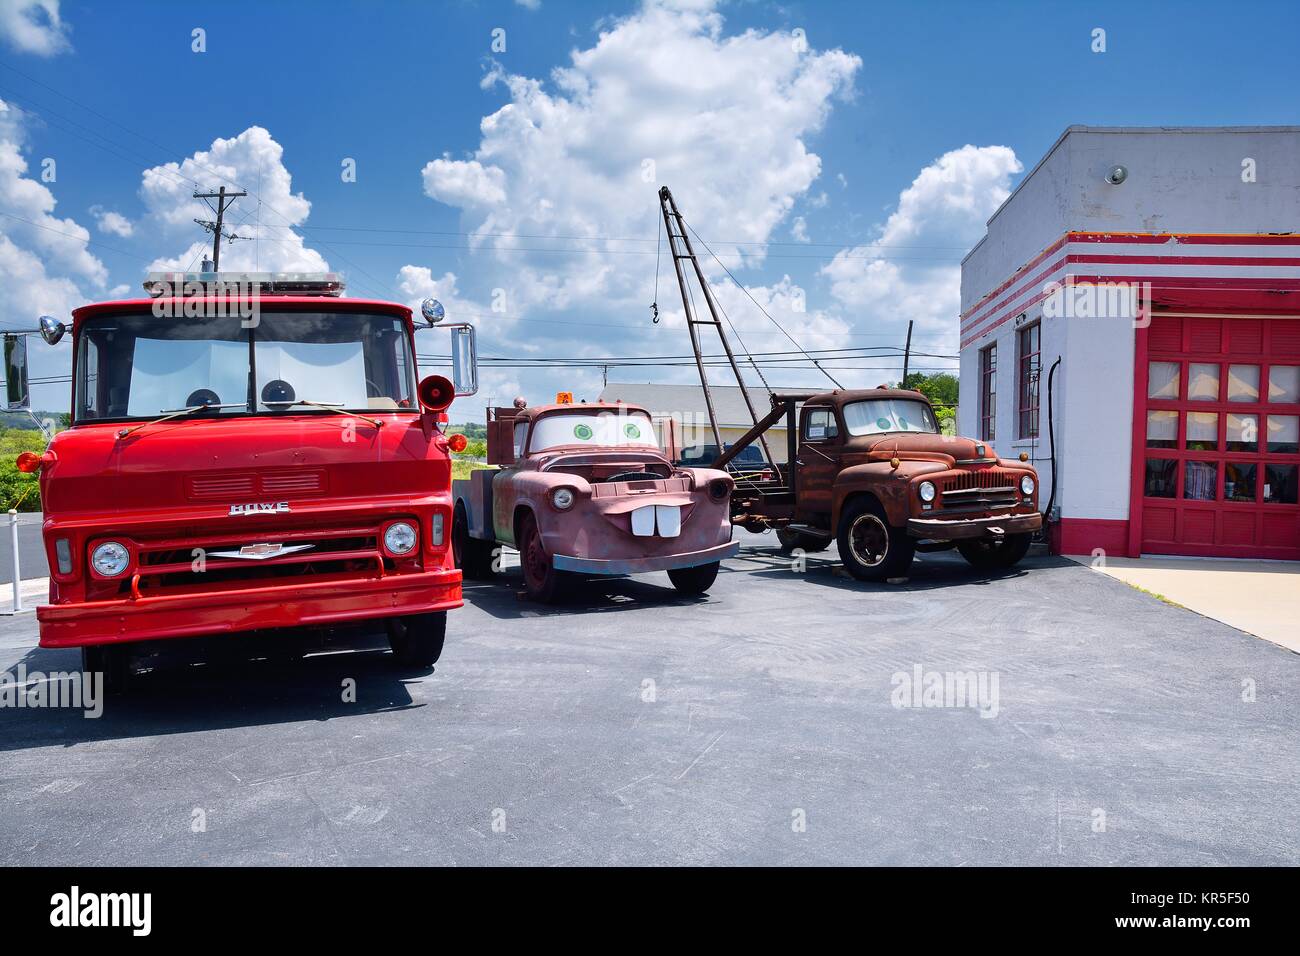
(193, 284)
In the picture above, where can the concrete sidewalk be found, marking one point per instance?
(1258, 597)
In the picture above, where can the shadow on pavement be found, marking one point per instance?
(256, 680)
(503, 597)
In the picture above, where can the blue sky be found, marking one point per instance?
(885, 97)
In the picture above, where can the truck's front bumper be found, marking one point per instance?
(661, 562)
(248, 609)
(948, 529)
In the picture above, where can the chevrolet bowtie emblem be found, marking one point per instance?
(260, 551)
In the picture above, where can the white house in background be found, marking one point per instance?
(681, 417)
(1146, 284)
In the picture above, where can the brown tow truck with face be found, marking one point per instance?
(869, 469)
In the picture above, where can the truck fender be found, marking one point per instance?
(527, 491)
(887, 485)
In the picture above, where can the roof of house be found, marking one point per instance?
(689, 400)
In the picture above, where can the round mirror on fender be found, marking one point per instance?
(52, 329)
(432, 311)
(436, 392)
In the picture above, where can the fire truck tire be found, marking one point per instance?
(542, 581)
(694, 580)
(797, 539)
(472, 556)
(870, 547)
(416, 639)
(111, 661)
(993, 554)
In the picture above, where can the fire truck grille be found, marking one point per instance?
(205, 564)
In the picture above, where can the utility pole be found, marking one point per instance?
(224, 200)
(907, 354)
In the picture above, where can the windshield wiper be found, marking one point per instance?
(170, 413)
(336, 407)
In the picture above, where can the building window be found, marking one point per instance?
(988, 392)
(1028, 347)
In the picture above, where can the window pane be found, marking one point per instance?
(1162, 429)
(1284, 383)
(1238, 482)
(1162, 478)
(1243, 383)
(1283, 434)
(1242, 433)
(1280, 484)
(1162, 379)
(1202, 431)
(1200, 481)
(1203, 382)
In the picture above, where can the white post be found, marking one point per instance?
(13, 546)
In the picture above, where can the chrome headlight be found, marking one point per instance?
(1027, 485)
(562, 498)
(399, 538)
(110, 559)
(926, 490)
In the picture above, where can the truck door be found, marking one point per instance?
(820, 446)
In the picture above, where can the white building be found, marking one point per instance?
(1151, 277)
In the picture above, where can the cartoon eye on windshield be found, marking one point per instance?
(631, 430)
(582, 431)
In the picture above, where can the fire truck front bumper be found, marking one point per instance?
(659, 562)
(952, 529)
(248, 609)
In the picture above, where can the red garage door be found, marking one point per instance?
(1219, 437)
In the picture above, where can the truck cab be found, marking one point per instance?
(247, 453)
(585, 489)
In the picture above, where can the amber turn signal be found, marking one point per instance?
(28, 462)
(1024, 456)
(894, 463)
(457, 443)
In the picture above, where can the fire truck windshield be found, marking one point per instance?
(140, 366)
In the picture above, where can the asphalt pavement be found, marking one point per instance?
(774, 721)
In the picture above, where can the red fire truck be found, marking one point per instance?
(248, 452)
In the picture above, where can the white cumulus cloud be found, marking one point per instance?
(266, 218)
(939, 216)
(664, 96)
(113, 223)
(34, 26)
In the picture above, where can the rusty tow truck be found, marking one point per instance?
(870, 471)
(586, 489)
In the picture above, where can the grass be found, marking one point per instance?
(461, 469)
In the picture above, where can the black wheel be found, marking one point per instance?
(416, 639)
(995, 554)
(110, 660)
(797, 539)
(694, 580)
(472, 556)
(871, 548)
(541, 579)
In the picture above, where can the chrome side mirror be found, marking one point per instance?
(464, 358)
(432, 311)
(17, 391)
(52, 329)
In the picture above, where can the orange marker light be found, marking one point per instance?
(457, 443)
(28, 462)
